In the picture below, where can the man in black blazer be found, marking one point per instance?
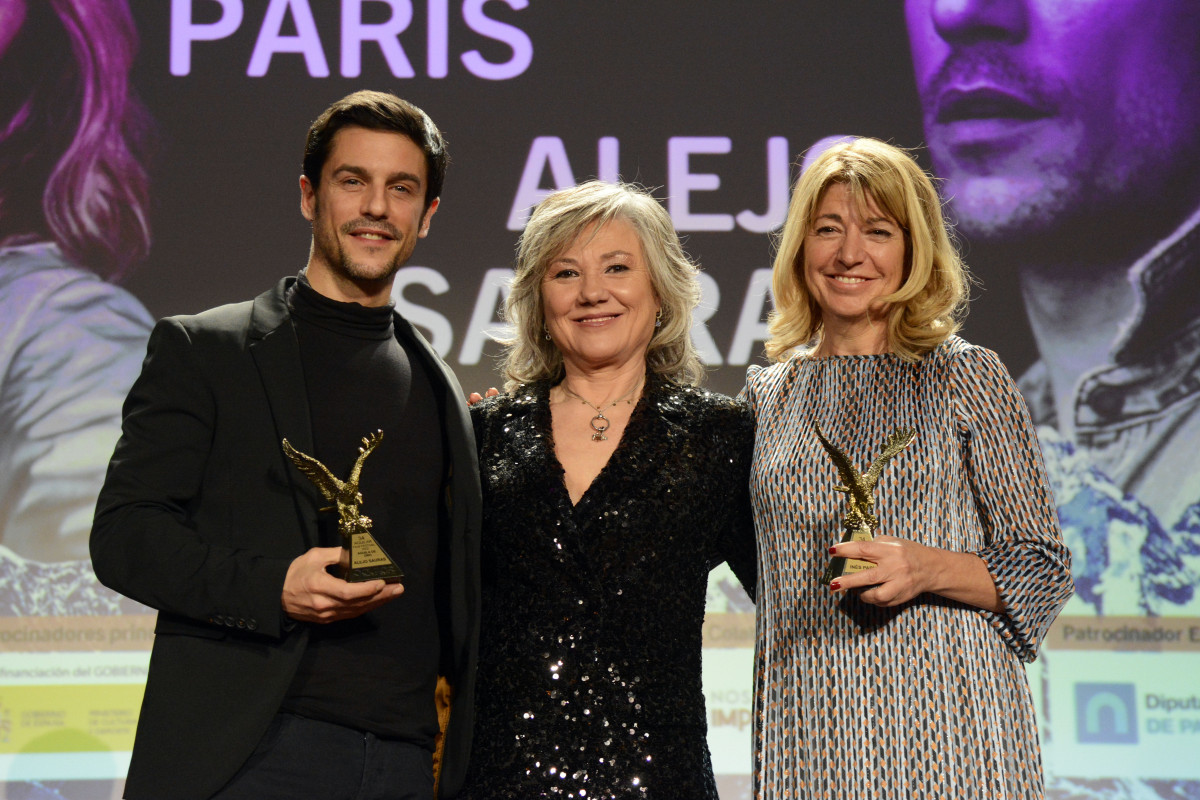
(270, 677)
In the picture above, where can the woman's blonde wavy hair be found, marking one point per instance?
(932, 299)
(554, 226)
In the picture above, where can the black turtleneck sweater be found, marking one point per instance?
(376, 672)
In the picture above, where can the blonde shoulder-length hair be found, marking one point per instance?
(932, 298)
(556, 223)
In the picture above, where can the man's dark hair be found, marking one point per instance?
(378, 111)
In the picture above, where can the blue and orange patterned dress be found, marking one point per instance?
(928, 699)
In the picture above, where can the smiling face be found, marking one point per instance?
(598, 299)
(1043, 111)
(852, 257)
(367, 214)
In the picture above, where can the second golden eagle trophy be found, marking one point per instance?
(860, 522)
(363, 558)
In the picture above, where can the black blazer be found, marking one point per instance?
(200, 517)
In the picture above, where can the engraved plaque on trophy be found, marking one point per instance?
(363, 558)
(860, 522)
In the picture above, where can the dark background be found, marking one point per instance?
(225, 218)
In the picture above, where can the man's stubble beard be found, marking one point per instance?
(1067, 224)
(328, 248)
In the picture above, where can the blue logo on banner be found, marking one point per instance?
(1106, 713)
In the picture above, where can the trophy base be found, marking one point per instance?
(389, 573)
(840, 565)
(366, 560)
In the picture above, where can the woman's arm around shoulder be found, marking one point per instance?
(733, 422)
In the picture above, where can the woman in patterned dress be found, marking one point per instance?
(611, 486)
(903, 680)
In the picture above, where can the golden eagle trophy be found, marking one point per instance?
(860, 522)
(363, 559)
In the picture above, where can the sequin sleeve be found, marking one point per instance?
(1024, 550)
(737, 545)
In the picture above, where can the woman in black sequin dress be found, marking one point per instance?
(611, 487)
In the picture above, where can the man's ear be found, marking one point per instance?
(308, 199)
(421, 234)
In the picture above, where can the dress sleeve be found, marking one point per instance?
(478, 425)
(143, 543)
(738, 546)
(1024, 550)
(749, 394)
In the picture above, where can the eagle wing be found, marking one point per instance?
(849, 475)
(325, 481)
(369, 444)
(900, 439)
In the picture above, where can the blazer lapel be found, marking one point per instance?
(454, 407)
(463, 506)
(276, 354)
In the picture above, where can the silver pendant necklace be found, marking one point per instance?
(601, 423)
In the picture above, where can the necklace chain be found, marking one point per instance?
(601, 423)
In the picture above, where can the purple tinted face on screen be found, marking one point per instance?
(1036, 110)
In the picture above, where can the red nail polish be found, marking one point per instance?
(833, 549)
(836, 586)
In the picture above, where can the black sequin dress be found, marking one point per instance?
(589, 665)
